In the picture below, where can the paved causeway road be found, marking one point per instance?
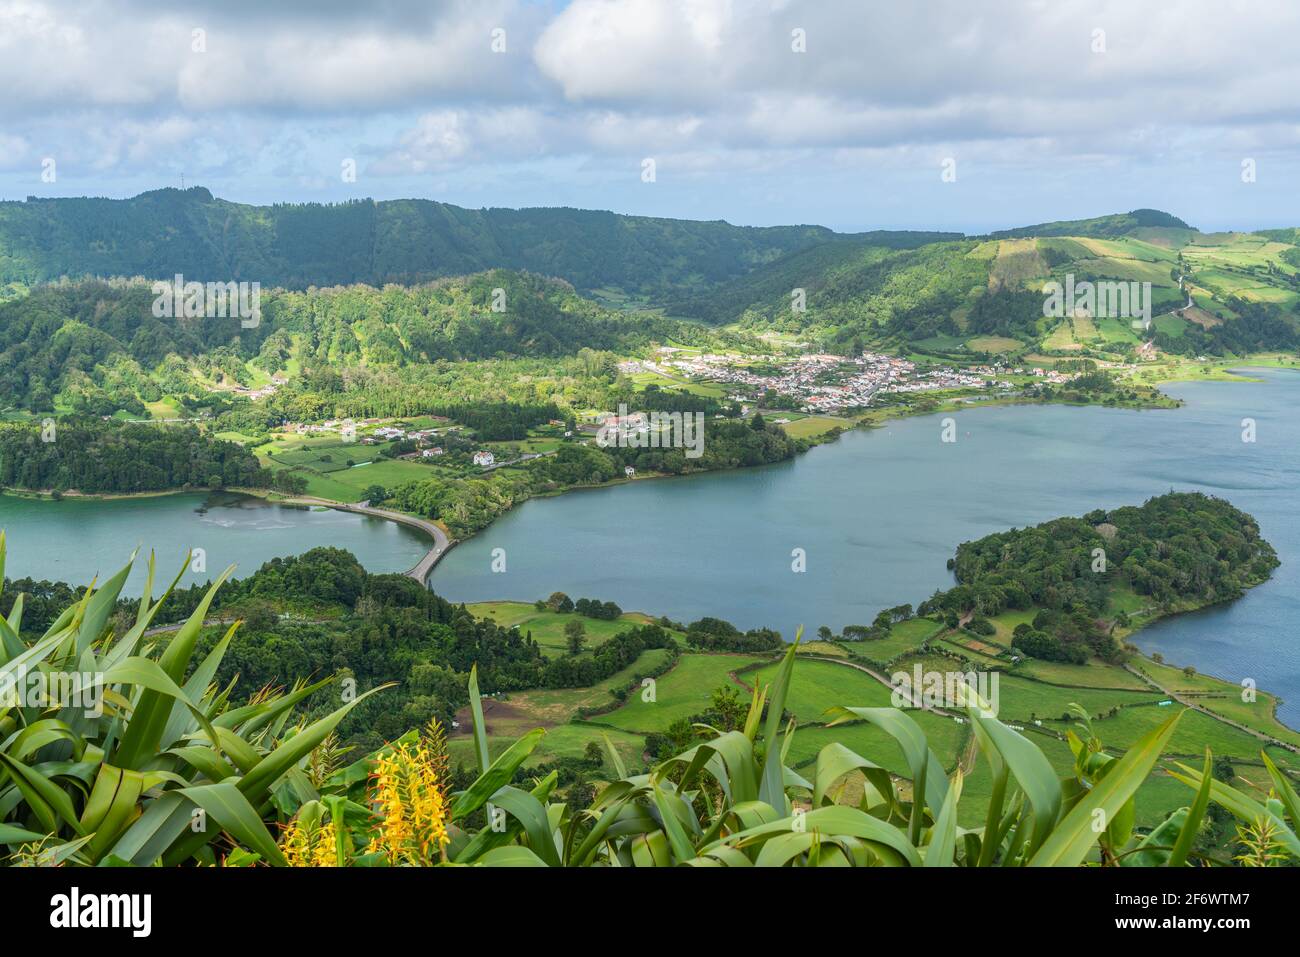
(422, 569)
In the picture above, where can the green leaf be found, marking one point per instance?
(1195, 815)
(227, 805)
(143, 735)
(512, 856)
(1068, 845)
(11, 834)
(1244, 808)
(927, 772)
(112, 806)
(671, 808)
(772, 778)
(832, 821)
(480, 726)
(1032, 771)
(99, 607)
(943, 835)
(499, 773)
(528, 811)
(48, 801)
(614, 759)
(1286, 793)
(835, 760)
(256, 783)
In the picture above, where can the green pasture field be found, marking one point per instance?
(680, 693)
(1116, 330)
(814, 425)
(1017, 264)
(1127, 270)
(978, 658)
(1061, 337)
(1127, 249)
(547, 627)
(1170, 324)
(946, 737)
(1195, 732)
(819, 685)
(993, 344)
(902, 637)
(561, 741)
(1022, 699)
(1094, 674)
(1221, 697)
(518, 712)
(827, 648)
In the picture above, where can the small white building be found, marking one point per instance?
(484, 458)
(629, 471)
(430, 453)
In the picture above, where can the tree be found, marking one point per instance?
(575, 635)
(728, 707)
(560, 602)
(825, 634)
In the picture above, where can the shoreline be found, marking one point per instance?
(421, 570)
(865, 420)
(1180, 697)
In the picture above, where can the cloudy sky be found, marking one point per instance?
(840, 112)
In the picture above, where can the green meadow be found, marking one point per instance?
(547, 627)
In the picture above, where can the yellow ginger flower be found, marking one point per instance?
(411, 803)
(309, 843)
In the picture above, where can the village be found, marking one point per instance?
(829, 383)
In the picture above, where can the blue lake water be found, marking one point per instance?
(878, 514)
(76, 539)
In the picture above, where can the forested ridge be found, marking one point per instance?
(297, 245)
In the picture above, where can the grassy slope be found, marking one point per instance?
(547, 627)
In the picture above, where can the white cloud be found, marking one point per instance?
(610, 50)
(437, 140)
(412, 87)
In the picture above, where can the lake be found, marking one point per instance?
(75, 539)
(878, 513)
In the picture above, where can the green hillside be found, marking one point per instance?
(95, 346)
(1118, 224)
(1210, 294)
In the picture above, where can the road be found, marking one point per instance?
(422, 569)
(1189, 703)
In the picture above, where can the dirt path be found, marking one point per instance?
(1188, 703)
